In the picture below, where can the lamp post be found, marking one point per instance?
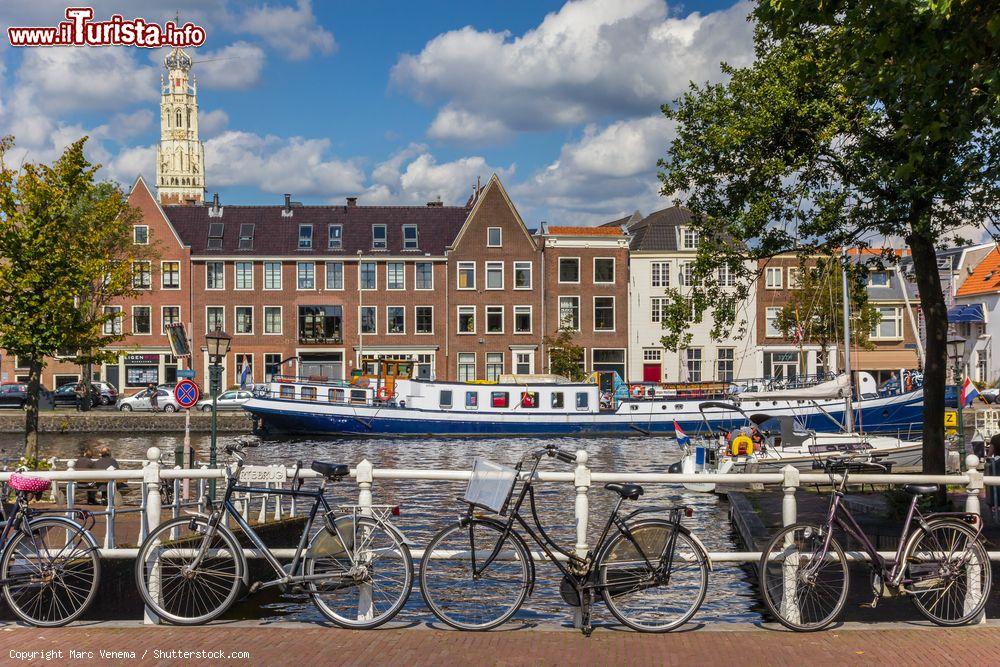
(217, 345)
(956, 349)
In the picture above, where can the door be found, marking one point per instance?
(652, 372)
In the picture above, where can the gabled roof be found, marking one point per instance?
(985, 278)
(658, 230)
(493, 183)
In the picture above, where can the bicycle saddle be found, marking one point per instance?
(920, 489)
(330, 469)
(627, 491)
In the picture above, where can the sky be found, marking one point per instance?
(391, 102)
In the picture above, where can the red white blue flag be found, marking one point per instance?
(969, 392)
(682, 439)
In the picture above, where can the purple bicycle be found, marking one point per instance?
(940, 563)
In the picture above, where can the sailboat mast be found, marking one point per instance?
(849, 412)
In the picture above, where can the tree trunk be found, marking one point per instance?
(936, 354)
(31, 451)
(88, 375)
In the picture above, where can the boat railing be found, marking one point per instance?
(333, 392)
(167, 490)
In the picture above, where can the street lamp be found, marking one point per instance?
(217, 344)
(956, 349)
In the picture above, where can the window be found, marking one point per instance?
(395, 275)
(466, 319)
(424, 275)
(558, 400)
(169, 315)
(499, 399)
(878, 279)
(410, 237)
(652, 355)
(272, 275)
(244, 275)
(215, 230)
(494, 275)
(494, 237)
(494, 367)
(689, 238)
(321, 324)
(246, 236)
(335, 275)
(424, 316)
(529, 399)
(305, 237)
(366, 275)
(524, 363)
(368, 319)
(771, 329)
(466, 275)
(140, 320)
(395, 319)
(472, 400)
(494, 319)
(522, 319)
(569, 312)
(687, 277)
(215, 319)
(112, 325)
(772, 277)
(272, 319)
(335, 237)
(466, 366)
(794, 277)
(307, 275)
(604, 313)
(379, 237)
(140, 235)
(693, 356)
(726, 277)
(658, 309)
(724, 364)
(308, 393)
(244, 319)
(215, 276)
(604, 270)
(582, 400)
(891, 325)
(445, 398)
(141, 275)
(522, 275)
(272, 365)
(660, 274)
(170, 275)
(569, 269)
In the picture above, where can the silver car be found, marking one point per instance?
(228, 400)
(165, 401)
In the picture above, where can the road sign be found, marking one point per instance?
(187, 394)
(186, 373)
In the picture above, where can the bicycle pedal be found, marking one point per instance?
(869, 605)
(255, 586)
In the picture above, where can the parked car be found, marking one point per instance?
(66, 395)
(108, 393)
(140, 401)
(13, 395)
(228, 400)
(990, 395)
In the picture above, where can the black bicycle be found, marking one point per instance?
(650, 570)
(356, 568)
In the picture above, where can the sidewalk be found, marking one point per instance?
(310, 644)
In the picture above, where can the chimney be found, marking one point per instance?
(215, 211)
(287, 211)
(215, 200)
(352, 202)
(436, 203)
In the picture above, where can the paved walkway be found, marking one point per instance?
(308, 644)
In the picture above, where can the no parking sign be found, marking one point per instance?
(187, 394)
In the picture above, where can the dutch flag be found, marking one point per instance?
(682, 438)
(969, 392)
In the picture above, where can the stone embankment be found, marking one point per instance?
(101, 421)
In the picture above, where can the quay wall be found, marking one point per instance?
(100, 421)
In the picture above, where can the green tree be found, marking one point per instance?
(565, 356)
(65, 251)
(859, 120)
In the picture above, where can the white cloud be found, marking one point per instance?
(414, 176)
(211, 123)
(86, 79)
(233, 67)
(292, 30)
(132, 161)
(589, 60)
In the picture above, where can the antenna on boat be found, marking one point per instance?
(849, 413)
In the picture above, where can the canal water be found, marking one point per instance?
(427, 506)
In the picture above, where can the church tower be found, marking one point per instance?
(180, 157)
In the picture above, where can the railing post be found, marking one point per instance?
(581, 511)
(201, 490)
(151, 480)
(365, 477)
(109, 521)
(975, 485)
(790, 566)
(789, 509)
(70, 489)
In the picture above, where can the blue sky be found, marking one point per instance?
(393, 102)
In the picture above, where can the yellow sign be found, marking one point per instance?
(950, 420)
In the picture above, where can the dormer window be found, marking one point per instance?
(410, 237)
(494, 237)
(878, 279)
(305, 237)
(379, 237)
(336, 237)
(689, 238)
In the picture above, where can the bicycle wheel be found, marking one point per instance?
(804, 584)
(175, 591)
(949, 573)
(370, 569)
(50, 572)
(469, 602)
(636, 591)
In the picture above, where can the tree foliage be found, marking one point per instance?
(859, 120)
(65, 253)
(565, 356)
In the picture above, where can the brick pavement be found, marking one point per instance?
(307, 645)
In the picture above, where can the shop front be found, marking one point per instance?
(141, 369)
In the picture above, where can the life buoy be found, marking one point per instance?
(741, 445)
(383, 393)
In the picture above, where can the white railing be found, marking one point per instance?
(153, 474)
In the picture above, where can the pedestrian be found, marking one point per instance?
(153, 404)
(86, 462)
(80, 393)
(105, 462)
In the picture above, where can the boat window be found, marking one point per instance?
(358, 396)
(308, 393)
(499, 399)
(529, 399)
(336, 395)
(287, 391)
(582, 400)
(635, 407)
(444, 399)
(472, 399)
(557, 400)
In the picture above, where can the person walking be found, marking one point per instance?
(153, 403)
(80, 393)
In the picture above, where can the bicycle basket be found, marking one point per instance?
(490, 484)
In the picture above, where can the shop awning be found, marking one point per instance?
(969, 312)
(883, 360)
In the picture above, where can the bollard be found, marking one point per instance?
(975, 486)
(789, 509)
(151, 482)
(365, 477)
(581, 511)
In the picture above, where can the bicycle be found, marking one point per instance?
(49, 565)
(940, 562)
(651, 572)
(357, 568)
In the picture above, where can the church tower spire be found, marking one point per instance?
(180, 157)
